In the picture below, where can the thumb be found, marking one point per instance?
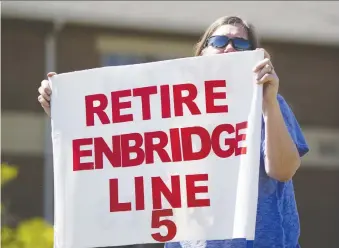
(51, 74)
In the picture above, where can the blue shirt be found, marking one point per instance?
(277, 224)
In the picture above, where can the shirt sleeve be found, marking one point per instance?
(293, 127)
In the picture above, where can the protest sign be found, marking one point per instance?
(157, 152)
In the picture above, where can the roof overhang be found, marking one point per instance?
(304, 21)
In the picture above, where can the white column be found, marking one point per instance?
(50, 66)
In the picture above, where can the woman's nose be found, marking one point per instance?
(229, 48)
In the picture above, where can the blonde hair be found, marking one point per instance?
(232, 20)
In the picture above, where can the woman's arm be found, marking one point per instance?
(284, 142)
(282, 158)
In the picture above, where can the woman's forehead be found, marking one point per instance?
(235, 30)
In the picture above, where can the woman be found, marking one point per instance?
(282, 143)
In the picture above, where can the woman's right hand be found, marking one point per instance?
(45, 92)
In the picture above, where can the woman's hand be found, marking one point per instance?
(267, 76)
(45, 92)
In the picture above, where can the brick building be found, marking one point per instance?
(36, 40)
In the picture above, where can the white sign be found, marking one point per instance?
(157, 152)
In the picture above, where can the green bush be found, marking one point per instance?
(31, 233)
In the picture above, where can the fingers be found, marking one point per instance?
(266, 78)
(266, 70)
(262, 64)
(45, 90)
(45, 105)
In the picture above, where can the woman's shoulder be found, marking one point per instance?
(282, 101)
(285, 108)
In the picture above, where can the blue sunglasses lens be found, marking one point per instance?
(241, 44)
(218, 41)
(222, 41)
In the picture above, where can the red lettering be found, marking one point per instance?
(135, 149)
(117, 106)
(99, 110)
(179, 100)
(183, 94)
(240, 137)
(165, 101)
(192, 190)
(159, 187)
(187, 145)
(78, 153)
(145, 94)
(161, 191)
(115, 205)
(211, 96)
(139, 193)
(127, 149)
(159, 148)
(175, 145)
(101, 149)
(228, 141)
(169, 224)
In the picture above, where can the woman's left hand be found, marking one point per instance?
(267, 76)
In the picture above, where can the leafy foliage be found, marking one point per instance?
(31, 233)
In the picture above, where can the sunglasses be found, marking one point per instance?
(221, 41)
